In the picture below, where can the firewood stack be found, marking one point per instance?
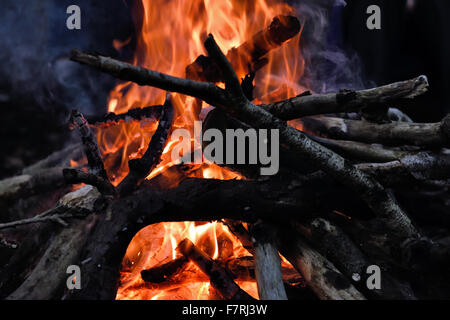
(360, 184)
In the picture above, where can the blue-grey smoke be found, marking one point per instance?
(329, 66)
(34, 48)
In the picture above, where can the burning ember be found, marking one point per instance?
(170, 38)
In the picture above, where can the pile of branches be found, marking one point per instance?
(359, 185)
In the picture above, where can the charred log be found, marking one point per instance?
(249, 55)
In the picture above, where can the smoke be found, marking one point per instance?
(35, 44)
(329, 67)
(34, 48)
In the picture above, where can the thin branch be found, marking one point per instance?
(151, 112)
(89, 140)
(141, 168)
(75, 176)
(125, 71)
(57, 215)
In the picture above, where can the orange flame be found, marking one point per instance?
(170, 37)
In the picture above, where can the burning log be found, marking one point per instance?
(240, 232)
(220, 278)
(243, 268)
(165, 271)
(141, 168)
(397, 133)
(151, 113)
(249, 55)
(267, 263)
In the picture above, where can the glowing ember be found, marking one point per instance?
(170, 38)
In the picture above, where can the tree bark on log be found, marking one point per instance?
(422, 166)
(25, 185)
(359, 151)
(267, 263)
(396, 133)
(348, 100)
(336, 246)
(320, 274)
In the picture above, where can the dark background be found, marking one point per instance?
(39, 86)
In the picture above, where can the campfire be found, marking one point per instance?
(348, 197)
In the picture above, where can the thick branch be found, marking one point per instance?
(333, 243)
(360, 151)
(348, 100)
(23, 186)
(321, 275)
(422, 166)
(267, 263)
(396, 133)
